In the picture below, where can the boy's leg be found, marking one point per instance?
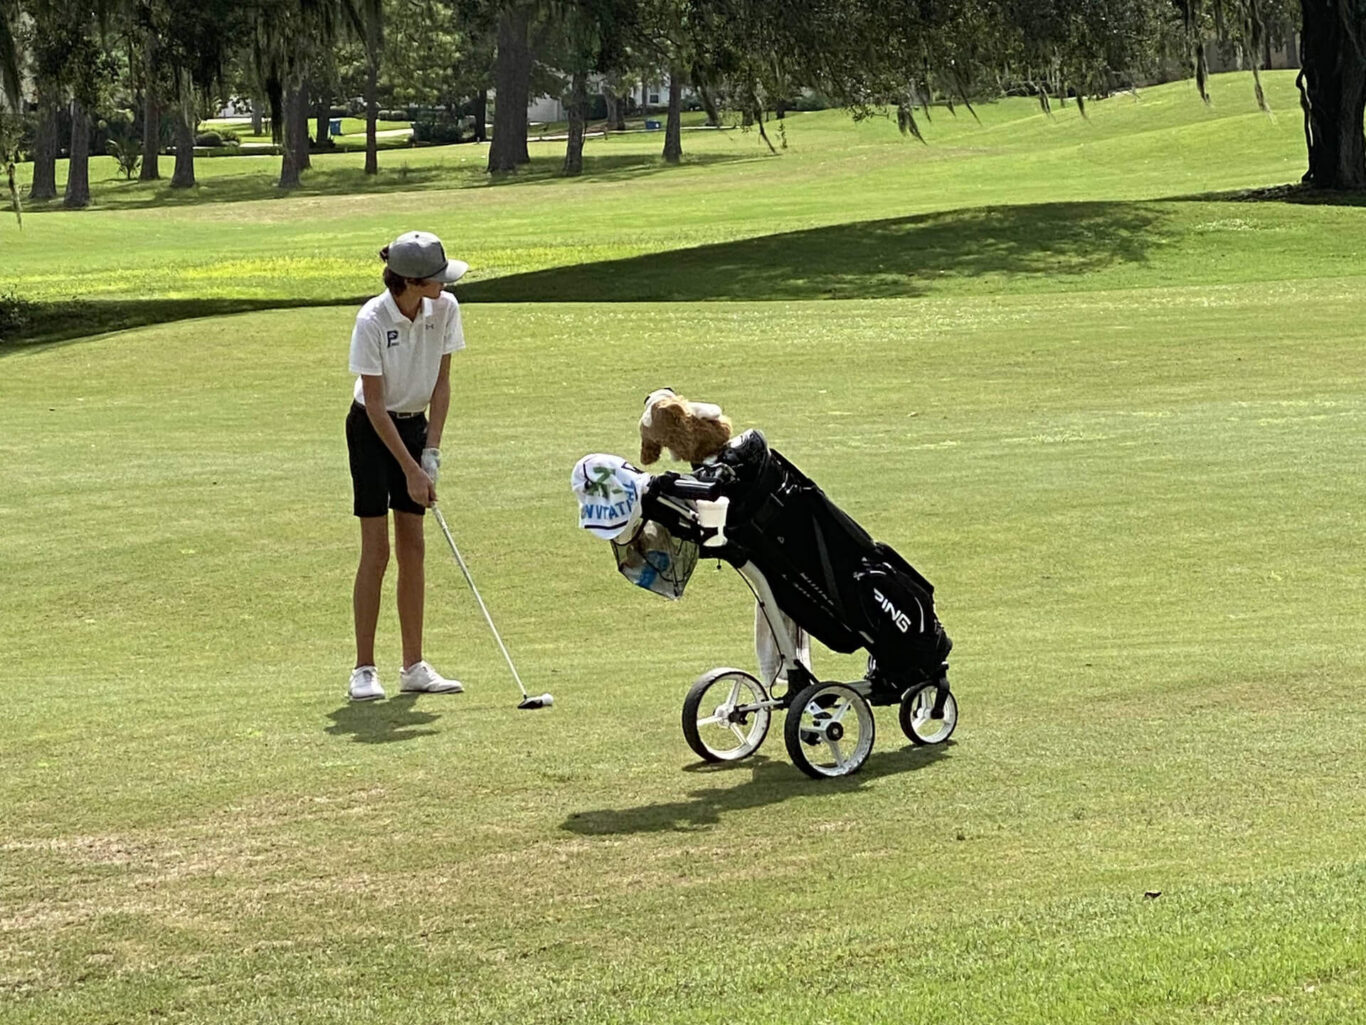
(418, 676)
(369, 461)
(374, 558)
(410, 546)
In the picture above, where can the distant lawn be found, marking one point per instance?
(349, 126)
(635, 123)
(1018, 202)
(352, 137)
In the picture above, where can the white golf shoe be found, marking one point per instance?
(421, 678)
(365, 684)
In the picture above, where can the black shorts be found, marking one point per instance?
(377, 480)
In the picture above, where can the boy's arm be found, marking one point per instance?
(420, 487)
(440, 404)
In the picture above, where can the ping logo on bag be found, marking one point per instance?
(902, 621)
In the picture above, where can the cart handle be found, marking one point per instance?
(688, 487)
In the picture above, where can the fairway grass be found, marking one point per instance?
(1128, 459)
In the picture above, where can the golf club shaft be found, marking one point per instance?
(441, 522)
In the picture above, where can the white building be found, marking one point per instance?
(653, 95)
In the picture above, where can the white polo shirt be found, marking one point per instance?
(407, 353)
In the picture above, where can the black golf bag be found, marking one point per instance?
(826, 572)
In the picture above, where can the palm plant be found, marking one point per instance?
(126, 155)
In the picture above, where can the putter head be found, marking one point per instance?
(540, 701)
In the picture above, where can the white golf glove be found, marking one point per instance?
(431, 462)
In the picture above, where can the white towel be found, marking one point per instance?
(609, 490)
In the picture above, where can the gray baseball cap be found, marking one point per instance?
(420, 254)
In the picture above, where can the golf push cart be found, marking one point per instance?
(802, 555)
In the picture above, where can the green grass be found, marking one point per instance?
(1120, 431)
(349, 126)
(393, 135)
(847, 210)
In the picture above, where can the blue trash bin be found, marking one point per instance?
(334, 126)
(652, 125)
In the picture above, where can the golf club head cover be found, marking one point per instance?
(691, 431)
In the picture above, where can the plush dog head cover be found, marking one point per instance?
(691, 431)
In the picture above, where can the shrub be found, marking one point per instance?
(27, 141)
(230, 138)
(15, 314)
(126, 155)
(810, 99)
(438, 132)
(208, 139)
(336, 112)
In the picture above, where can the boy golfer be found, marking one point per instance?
(401, 351)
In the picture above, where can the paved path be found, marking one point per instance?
(598, 133)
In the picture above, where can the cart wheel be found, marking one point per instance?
(829, 730)
(917, 716)
(720, 721)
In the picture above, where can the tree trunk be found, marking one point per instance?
(258, 121)
(320, 107)
(371, 113)
(186, 122)
(298, 124)
(78, 170)
(578, 114)
(708, 104)
(619, 122)
(44, 185)
(1332, 83)
(290, 164)
(611, 100)
(151, 114)
(511, 78)
(481, 116)
(673, 127)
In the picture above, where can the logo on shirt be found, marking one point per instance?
(390, 339)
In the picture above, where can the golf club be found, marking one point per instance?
(527, 702)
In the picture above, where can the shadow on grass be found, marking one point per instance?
(396, 175)
(47, 323)
(892, 258)
(1296, 194)
(382, 722)
(770, 782)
